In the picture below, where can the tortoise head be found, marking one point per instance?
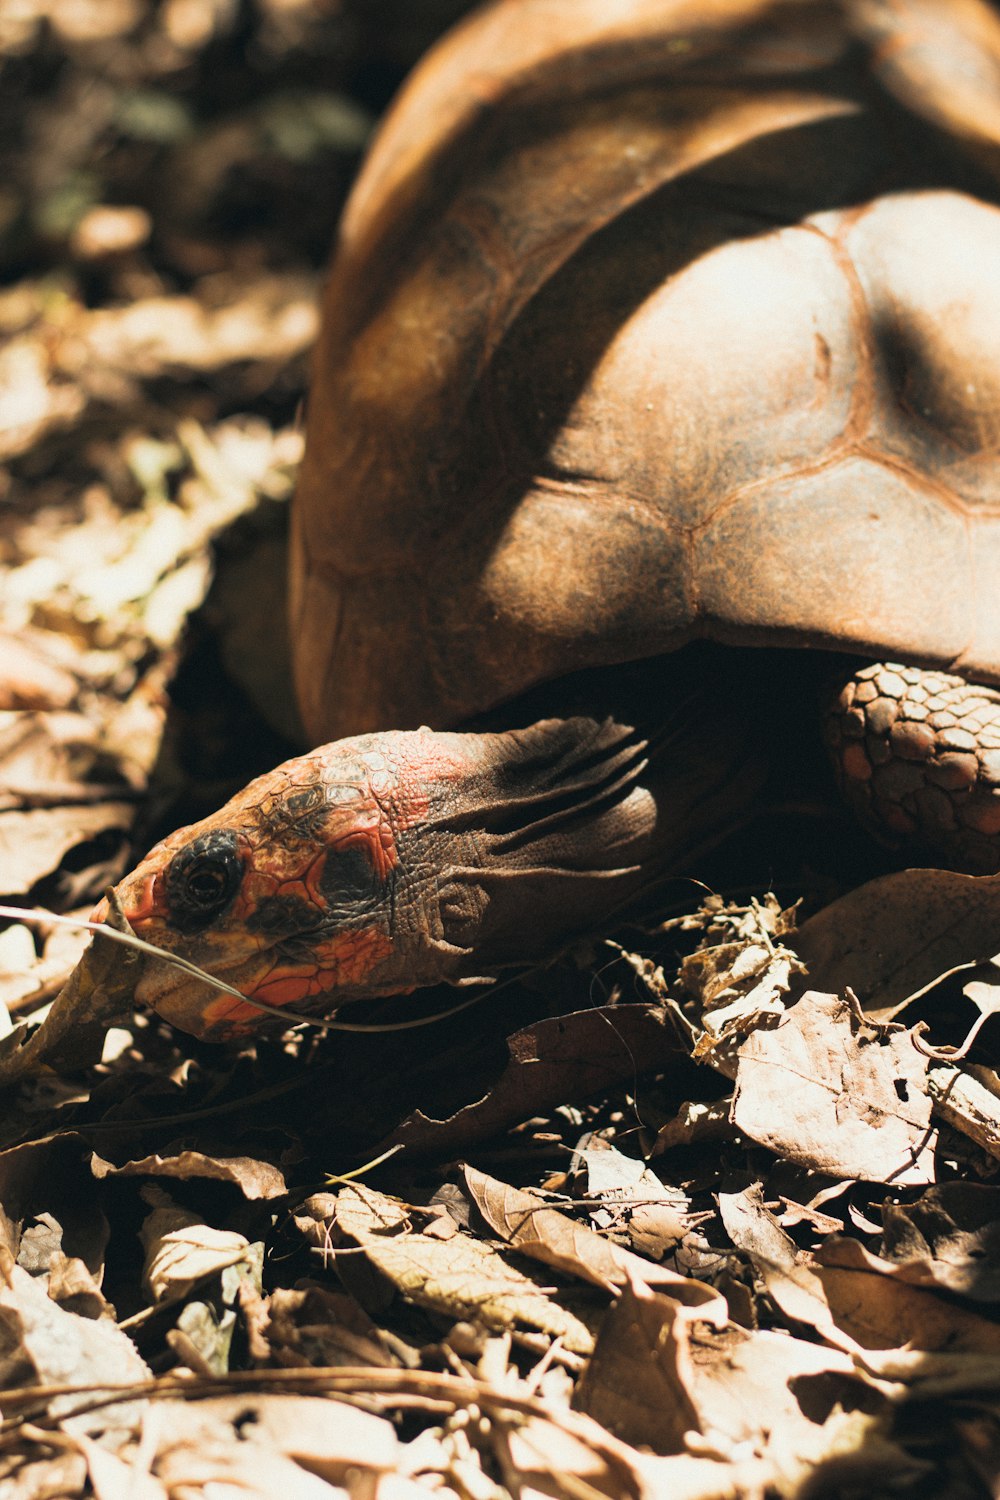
(386, 862)
(290, 893)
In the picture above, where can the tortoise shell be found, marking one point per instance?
(655, 321)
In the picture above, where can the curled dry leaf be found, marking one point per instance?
(548, 1460)
(198, 1451)
(741, 971)
(655, 1379)
(29, 677)
(627, 1192)
(967, 1099)
(44, 1344)
(533, 1226)
(34, 841)
(96, 996)
(463, 1278)
(875, 1307)
(565, 1057)
(784, 1271)
(309, 1325)
(182, 1251)
(255, 1179)
(828, 1089)
(325, 1436)
(696, 1121)
(74, 1287)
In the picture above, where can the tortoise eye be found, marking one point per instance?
(202, 880)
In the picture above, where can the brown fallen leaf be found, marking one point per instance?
(96, 996)
(544, 1459)
(29, 677)
(950, 1238)
(879, 1310)
(181, 1250)
(657, 1380)
(27, 978)
(41, 1343)
(895, 935)
(46, 1195)
(325, 1436)
(827, 1088)
(33, 843)
(72, 1285)
(741, 971)
(785, 1272)
(311, 1325)
(32, 1479)
(463, 1278)
(533, 1226)
(274, 318)
(255, 1179)
(696, 1121)
(628, 1194)
(564, 1057)
(201, 1449)
(967, 1099)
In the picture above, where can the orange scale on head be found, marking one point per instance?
(339, 962)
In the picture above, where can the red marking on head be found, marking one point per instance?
(378, 843)
(423, 758)
(342, 962)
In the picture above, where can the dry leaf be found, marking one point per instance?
(784, 1271)
(950, 1237)
(96, 997)
(255, 1179)
(462, 1277)
(893, 936)
(273, 319)
(877, 1309)
(113, 1478)
(43, 1344)
(325, 1436)
(534, 1227)
(33, 843)
(654, 1379)
(200, 1453)
(967, 1100)
(29, 677)
(837, 1093)
(741, 972)
(182, 1251)
(696, 1122)
(544, 1458)
(632, 1196)
(566, 1057)
(313, 1326)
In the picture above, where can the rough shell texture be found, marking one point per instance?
(656, 320)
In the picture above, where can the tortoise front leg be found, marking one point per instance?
(917, 755)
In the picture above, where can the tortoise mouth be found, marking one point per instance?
(199, 1008)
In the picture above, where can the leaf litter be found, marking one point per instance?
(703, 1212)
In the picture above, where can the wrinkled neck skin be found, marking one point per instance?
(380, 864)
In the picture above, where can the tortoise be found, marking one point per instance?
(652, 323)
